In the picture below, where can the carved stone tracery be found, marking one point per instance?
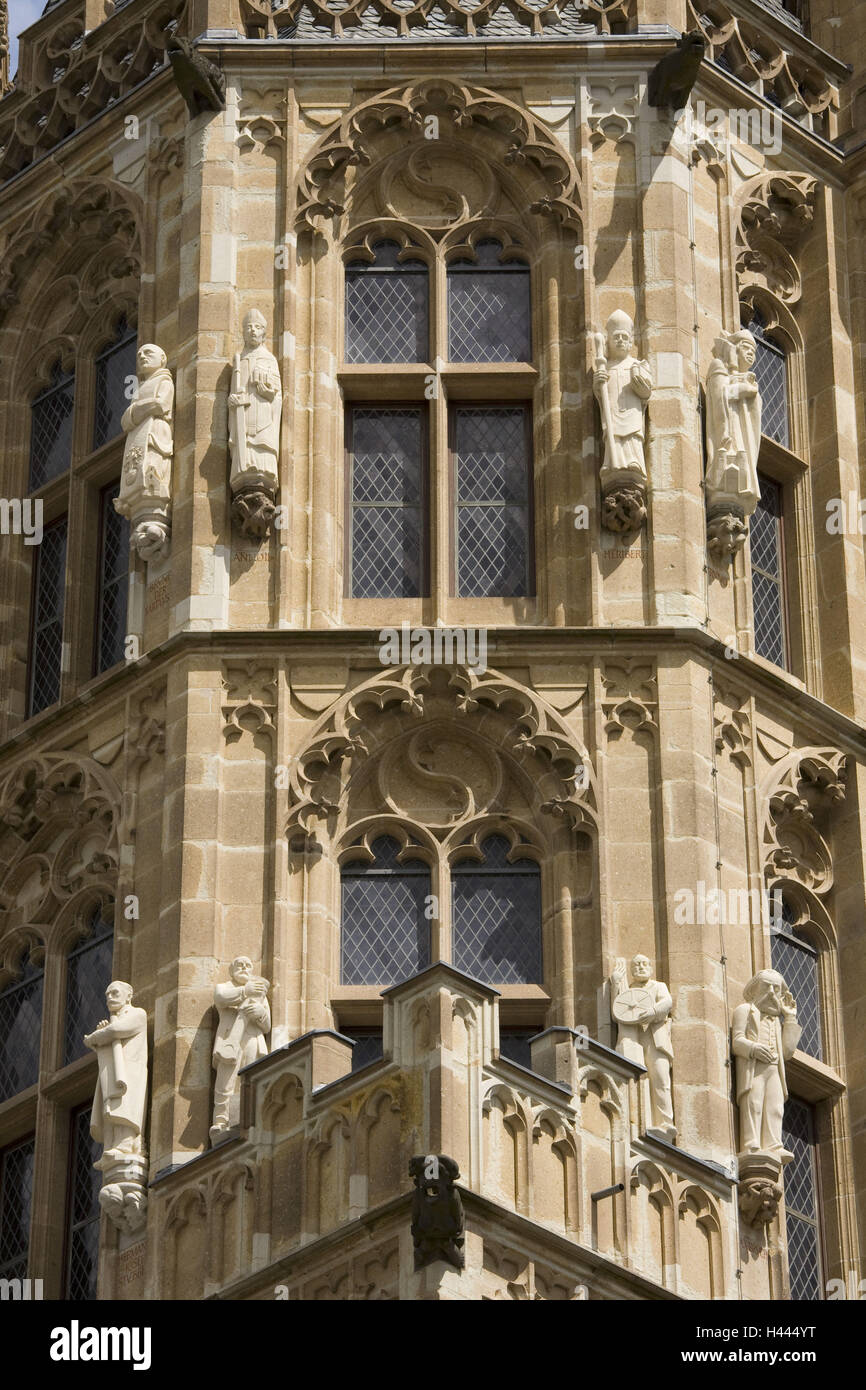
(776, 212)
(803, 788)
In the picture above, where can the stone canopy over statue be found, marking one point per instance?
(144, 497)
(255, 406)
(622, 384)
(641, 1008)
(733, 441)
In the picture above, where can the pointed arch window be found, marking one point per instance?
(113, 365)
(88, 975)
(766, 549)
(796, 959)
(489, 307)
(771, 369)
(51, 428)
(21, 1029)
(387, 306)
(496, 916)
(385, 933)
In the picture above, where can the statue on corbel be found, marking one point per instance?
(764, 1035)
(244, 1021)
(117, 1118)
(641, 1007)
(733, 442)
(144, 497)
(255, 407)
(622, 384)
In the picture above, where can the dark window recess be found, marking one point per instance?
(386, 308)
(82, 1217)
(16, 1201)
(385, 934)
(88, 975)
(514, 1045)
(496, 916)
(386, 489)
(51, 428)
(113, 582)
(796, 960)
(368, 1046)
(802, 1209)
(49, 592)
(113, 366)
(488, 308)
(771, 369)
(20, 1030)
(765, 542)
(491, 460)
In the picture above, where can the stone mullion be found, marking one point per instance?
(320, 971)
(325, 501)
(550, 464)
(605, 947)
(281, 964)
(690, 853)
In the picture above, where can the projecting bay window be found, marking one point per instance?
(439, 463)
(768, 574)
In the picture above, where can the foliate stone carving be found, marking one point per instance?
(807, 783)
(733, 442)
(144, 497)
(437, 1211)
(117, 1119)
(200, 82)
(641, 1008)
(622, 385)
(775, 213)
(504, 132)
(244, 1019)
(764, 1034)
(673, 77)
(255, 407)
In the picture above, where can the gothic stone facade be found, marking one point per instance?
(627, 739)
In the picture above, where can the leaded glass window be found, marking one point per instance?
(16, 1202)
(385, 934)
(796, 960)
(491, 462)
(113, 366)
(113, 582)
(368, 1046)
(386, 307)
(802, 1206)
(88, 975)
(46, 650)
(488, 307)
(51, 428)
(82, 1216)
(20, 1030)
(387, 512)
(514, 1045)
(771, 369)
(496, 916)
(765, 543)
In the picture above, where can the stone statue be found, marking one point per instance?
(437, 1211)
(622, 385)
(643, 1017)
(244, 1019)
(145, 481)
(255, 406)
(117, 1119)
(764, 1032)
(733, 441)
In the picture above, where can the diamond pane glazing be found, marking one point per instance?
(49, 596)
(20, 1031)
(488, 309)
(387, 513)
(386, 309)
(113, 583)
(368, 1047)
(797, 962)
(16, 1200)
(88, 975)
(514, 1045)
(496, 917)
(51, 429)
(113, 366)
(385, 935)
(771, 369)
(492, 471)
(83, 1215)
(765, 543)
(801, 1202)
